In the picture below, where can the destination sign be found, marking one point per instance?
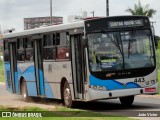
(128, 23)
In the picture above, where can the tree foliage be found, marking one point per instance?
(141, 10)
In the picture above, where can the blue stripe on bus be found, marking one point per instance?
(41, 85)
(29, 76)
(31, 88)
(16, 81)
(111, 84)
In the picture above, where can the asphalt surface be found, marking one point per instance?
(142, 104)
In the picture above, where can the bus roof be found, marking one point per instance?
(67, 26)
(59, 27)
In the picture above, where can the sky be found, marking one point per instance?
(12, 12)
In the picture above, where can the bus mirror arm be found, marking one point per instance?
(84, 42)
(156, 41)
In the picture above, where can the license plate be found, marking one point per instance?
(150, 89)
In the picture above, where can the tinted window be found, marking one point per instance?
(49, 40)
(20, 43)
(6, 52)
(21, 50)
(49, 47)
(63, 51)
(57, 39)
(29, 42)
(29, 49)
(5, 45)
(49, 53)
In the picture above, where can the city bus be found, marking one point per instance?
(93, 59)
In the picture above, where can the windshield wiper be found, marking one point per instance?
(116, 43)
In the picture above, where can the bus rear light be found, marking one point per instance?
(150, 90)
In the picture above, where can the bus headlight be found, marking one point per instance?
(153, 81)
(147, 83)
(95, 87)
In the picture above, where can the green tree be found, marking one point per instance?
(141, 10)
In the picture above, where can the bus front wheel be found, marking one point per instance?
(67, 97)
(127, 101)
(24, 92)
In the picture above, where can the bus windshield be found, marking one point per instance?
(120, 50)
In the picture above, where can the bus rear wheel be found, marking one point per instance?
(67, 97)
(24, 93)
(127, 101)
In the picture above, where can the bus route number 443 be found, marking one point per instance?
(139, 80)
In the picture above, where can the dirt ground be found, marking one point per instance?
(12, 100)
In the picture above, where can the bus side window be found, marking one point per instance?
(49, 46)
(63, 48)
(6, 52)
(29, 48)
(57, 39)
(21, 50)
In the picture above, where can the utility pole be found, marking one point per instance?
(51, 12)
(107, 7)
(92, 13)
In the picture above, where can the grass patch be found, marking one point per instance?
(1, 71)
(67, 118)
(60, 114)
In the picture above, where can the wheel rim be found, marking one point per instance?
(24, 94)
(67, 96)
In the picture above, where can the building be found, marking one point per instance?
(73, 18)
(35, 22)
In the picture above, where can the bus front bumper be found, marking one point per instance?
(98, 94)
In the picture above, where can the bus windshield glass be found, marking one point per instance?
(120, 50)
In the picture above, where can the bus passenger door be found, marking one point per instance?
(12, 81)
(38, 63)
(77, 66)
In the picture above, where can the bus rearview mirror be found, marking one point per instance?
(156, 41)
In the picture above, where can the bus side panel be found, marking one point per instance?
(41, 82)
(27, 71)
(8, 77)
(16, 82)
(112, 84)
(64, 71)
(31, 88)
(54, 72)
(49, 93)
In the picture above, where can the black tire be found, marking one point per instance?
(127, 101)
(67, 97)
(24, 93)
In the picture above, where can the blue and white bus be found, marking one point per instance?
(102, 58)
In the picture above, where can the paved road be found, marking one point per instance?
(113, 107)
